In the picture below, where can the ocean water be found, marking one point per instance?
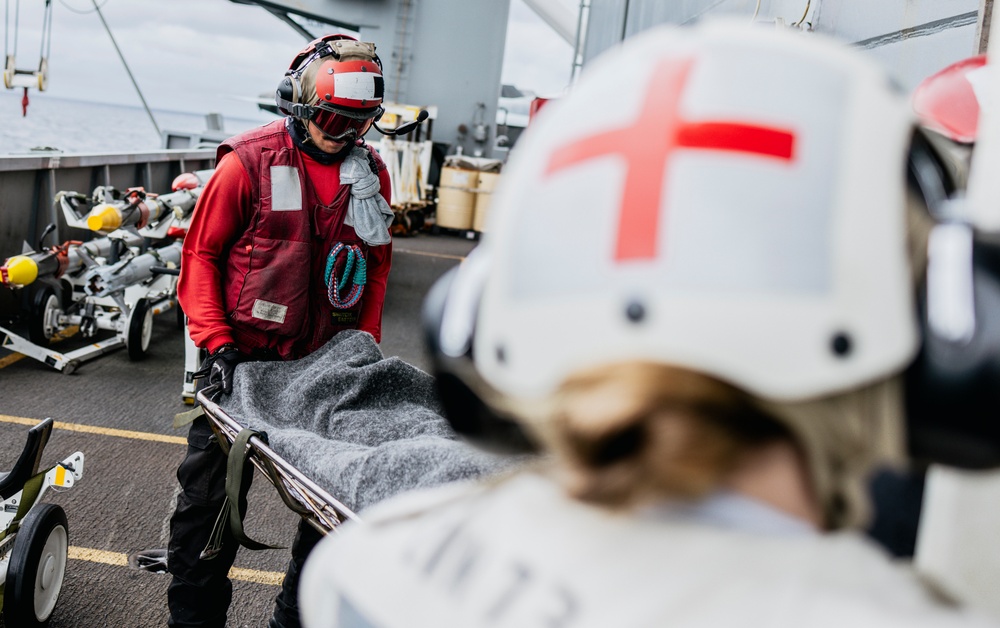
(84, 127)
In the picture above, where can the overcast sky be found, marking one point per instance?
(206, 55)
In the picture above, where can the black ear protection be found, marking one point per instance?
(952, 387)
(287, 96)
(463, 394)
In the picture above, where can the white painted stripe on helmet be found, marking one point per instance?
(355, 85)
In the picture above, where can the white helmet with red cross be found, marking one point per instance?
(724, 198)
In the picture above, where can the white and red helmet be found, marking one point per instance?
(949, 101)
(336, 82)
(722, 198)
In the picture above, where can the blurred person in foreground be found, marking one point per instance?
(699, 298)
(947, 107)
(289, 244)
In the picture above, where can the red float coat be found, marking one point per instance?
(239, 253)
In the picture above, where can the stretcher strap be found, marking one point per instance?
(186, 418)
(238, 475)
(216, 538)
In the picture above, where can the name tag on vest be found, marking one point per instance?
(265, 310)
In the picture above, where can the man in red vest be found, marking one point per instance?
(293, 207)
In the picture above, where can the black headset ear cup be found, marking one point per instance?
(953, 387)
(468, 413)
(474, 419)
(286, 93)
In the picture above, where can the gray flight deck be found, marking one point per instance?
(125, 499)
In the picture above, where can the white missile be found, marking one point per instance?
(102, 281)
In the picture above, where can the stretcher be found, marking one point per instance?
(351, 429)
(302, 495)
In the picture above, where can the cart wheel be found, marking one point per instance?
(44, 311)
(140, 330)
(37, 567)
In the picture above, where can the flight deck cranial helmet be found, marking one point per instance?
(947, 105)
(335, 82)
(741, 211)
(959, 363)
(949, 101)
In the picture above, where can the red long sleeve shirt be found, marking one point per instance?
(223, 213)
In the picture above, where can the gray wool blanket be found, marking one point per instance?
(362, 426)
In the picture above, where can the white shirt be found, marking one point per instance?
(519, 553)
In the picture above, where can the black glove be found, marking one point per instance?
(220, 367)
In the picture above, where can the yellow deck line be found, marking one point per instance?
(98, 556)
(441, 255)
(260, 577)
(121, 560)
(104, 431)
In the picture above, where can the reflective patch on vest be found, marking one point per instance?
(286, 191)
(344, 317)
(267, 311)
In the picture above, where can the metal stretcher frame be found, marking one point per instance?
(306, 498)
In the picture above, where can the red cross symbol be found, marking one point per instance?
(647, 146)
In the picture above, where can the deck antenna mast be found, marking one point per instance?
(125, 63)
(14, 77)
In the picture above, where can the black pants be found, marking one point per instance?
(200, 591)
(286, 608)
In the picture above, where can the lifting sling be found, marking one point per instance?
(14, 77)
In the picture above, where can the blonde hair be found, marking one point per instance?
(630, 432)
